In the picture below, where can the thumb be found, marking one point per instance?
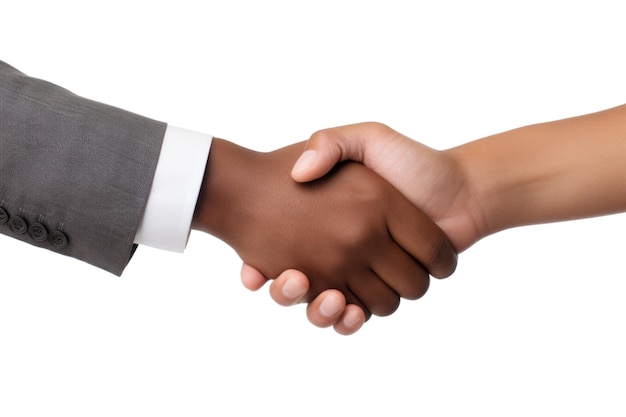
(319, 157)
(327, 147)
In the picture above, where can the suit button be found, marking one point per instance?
(58, 239)
(4, 216)
(38, 232)
(18, 225)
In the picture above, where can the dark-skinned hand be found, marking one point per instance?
(350, 231)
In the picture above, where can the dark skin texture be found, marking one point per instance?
(350, 230)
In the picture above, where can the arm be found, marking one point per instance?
(74, 174)
(82, 171)
(562, 170)
(548, 172)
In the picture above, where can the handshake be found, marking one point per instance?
(368, 233)
(356, 237)
(350, 222)
(359, 236)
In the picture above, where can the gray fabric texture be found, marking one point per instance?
(74, 165)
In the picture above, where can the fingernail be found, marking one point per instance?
(305, 161)
(293, 289)
(330, 306)
(351, 318)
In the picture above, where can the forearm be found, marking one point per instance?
(561, 170)
(79, 170)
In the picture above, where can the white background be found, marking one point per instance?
(532, 323)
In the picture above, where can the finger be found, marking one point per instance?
(375, 295)
(401, 272)
(350, 321)
(326, 309)
(251, 278)
(289, 288)
(421, 238)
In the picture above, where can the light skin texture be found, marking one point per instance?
(561, 170)
(350, 230)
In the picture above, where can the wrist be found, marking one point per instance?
(498, 188)
(223, 185)
(561, 170)
(476, 195)
(511, 178)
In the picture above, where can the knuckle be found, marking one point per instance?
(441, 258)
(386, 307)
(372, 195)
(418, 290)
(378, 127)
(359, 242)
(321, 138)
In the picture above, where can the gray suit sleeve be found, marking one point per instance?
(74, 174)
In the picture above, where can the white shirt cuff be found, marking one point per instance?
(172, 201)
